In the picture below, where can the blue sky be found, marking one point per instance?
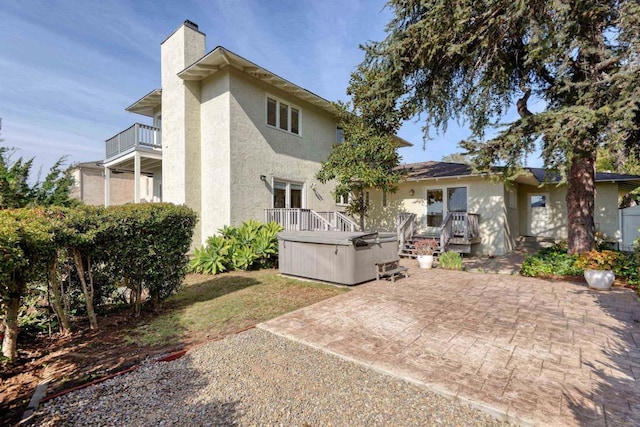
(69, 68)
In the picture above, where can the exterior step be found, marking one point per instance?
(409, 251)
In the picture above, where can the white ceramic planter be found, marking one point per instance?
(599, 279)
(425, 261)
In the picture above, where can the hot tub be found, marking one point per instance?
(347, 258)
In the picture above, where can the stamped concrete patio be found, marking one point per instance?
(526, 350)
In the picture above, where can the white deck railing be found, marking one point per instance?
(135, 137)
(459, 224)
(405, 227)
(298, 219)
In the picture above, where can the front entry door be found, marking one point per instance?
(538, 214)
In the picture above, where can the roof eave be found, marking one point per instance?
(147, 104)
(220, 58)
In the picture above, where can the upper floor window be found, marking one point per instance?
(339, 135)
(283, 116)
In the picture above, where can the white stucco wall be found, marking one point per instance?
(606, 215)
(180, 115)
(484, 197)
(215, 158)
(556, 225)
(258, 149)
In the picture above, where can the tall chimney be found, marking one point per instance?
(181, 116)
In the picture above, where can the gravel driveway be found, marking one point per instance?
(257, 378)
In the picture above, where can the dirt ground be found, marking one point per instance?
(68, 361)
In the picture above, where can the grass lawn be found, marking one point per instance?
(208, 307)
(212, 306)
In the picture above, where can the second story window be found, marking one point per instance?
(283, 116)
(339, 135)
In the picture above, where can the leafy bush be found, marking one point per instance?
(147, 245)
(597, 260)
(555, 261)
(250, 246)
(450, 260)
(627, 268)
(212, 257)
(143, 246)
(26, 247)
(552, 261)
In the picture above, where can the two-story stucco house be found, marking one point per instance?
(229, 139)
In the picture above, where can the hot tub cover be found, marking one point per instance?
(344, 238)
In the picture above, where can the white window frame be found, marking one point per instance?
(287, 197)
(345, 202)
(343, 199)
(290, 106)
(512, 197)
(445, 197)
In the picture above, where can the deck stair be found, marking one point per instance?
(408, 250)
(458, 233)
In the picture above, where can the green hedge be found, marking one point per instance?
(141, 246)
(26, 244)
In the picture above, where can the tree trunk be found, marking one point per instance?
(581, 190)
(137, 304)
(9, 343)
(77, 258)
(56, 303)
(362, 208)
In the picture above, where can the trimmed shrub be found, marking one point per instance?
(147, 246)
(26, 247)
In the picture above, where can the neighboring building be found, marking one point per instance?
(229, 139)
(532, 204)
(89, 185)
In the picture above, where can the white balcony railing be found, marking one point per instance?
(136, 137)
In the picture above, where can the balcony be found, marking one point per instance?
(138, 137)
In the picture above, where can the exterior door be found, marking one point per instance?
(538, 214)
(287, 195)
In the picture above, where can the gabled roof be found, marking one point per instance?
(532, 176)
(220, 57)
(432, 170)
